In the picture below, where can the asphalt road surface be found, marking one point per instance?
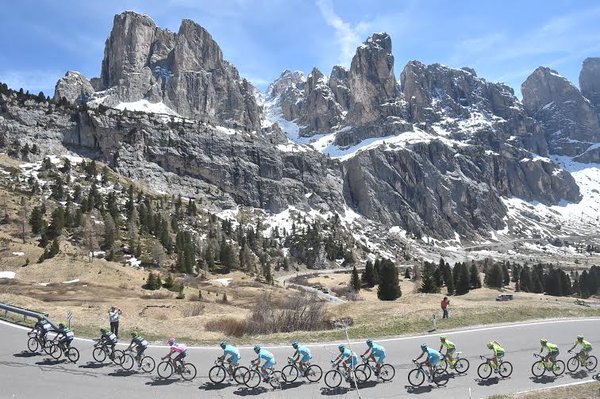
(26, 375)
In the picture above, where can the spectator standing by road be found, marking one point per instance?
(113, 316)
(444, 305)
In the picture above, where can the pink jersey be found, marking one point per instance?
(179, 348)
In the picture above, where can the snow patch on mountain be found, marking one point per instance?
(146, 106)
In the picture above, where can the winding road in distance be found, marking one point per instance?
(24, 375)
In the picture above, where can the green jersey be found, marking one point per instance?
(497, 349)
(551, 347)
(449, 345)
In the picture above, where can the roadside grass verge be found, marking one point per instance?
(589, 390)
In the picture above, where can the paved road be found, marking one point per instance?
(23, 375)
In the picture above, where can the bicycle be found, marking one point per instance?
(101, 352)
(416, 377)
(36, 342)
(541, 366)
(219, 371)
(146, 363)
(484, 371)
(253, 377)
(333, 378)
(458, 364)
(581, 359)
(167, 368)
(58, 349)
(386, 372)
(293, 370)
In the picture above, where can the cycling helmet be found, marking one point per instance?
(369, 342)
(223, 344)
(443, 339)
(543, 341)
(341, 347)
(295, 344)
(424, 346)
(256, 348)
(580, 338)
(171, 341)
(490, 345)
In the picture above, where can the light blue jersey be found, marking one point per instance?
(378, 352)
(434, 356)
(233, 352)
(348, 353)
(267, 357)
(304, 353)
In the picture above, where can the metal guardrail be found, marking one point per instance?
(25, 313)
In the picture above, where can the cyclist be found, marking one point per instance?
(65, 335)
(108, 340)
(140, 346)
(553, 351)
(42, 327)
(234, 356)
(450, 349)
(432, 360)
(269, 359)
(586, 347)
(347, 358)
(181, 351)
(376, 354)
(498, 352)
(302, 355)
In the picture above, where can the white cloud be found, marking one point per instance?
(347, 36)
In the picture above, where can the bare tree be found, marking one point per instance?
(23, 217)
(89, 235)
(158, 255)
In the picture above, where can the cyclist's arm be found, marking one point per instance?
(420, 356)
(130, 345)
(573, 347)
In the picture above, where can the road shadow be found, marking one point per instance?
(488, 381)
(122, 373)
(50, 362)
(211, 386)
(418, 390)
(545, 379)
(335, 391)
(161, 382)
(290, 385)
(579, 375)
(26, 354)
(93, 365)
(367, 384)
(245, 391)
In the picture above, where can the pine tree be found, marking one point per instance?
(168, 284)
(110, 232)
(494, 277)
(474, 278)
(407, 273)
(54, 249)
(505, 274)
(462, 278)
(36, 220)
(355, 280)
(428, 283)
(369, 278)
(389, 285)
(525, 279)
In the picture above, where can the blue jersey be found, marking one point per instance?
(434, 356)
(377, 350)
(266, 356)
(232, 351)
(304, 352)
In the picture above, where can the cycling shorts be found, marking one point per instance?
(270, 363)
(306, 358)
(234, 359)
(379, 358)
(434, 360)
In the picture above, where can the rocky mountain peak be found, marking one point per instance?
(74, 87)
(287, 79)
(589, 81)
(195, 49)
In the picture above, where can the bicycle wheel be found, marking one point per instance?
(127, 361)
(98, 354)
(573, 364)
(117, 357)
(188, 371)
(333, 378)
(164, 369)
(217, 374)
(558, 368)
(32, 344)
(416, 377)
(148, 364)
(591, 363)
(48, 347)
(387, 372)
(461, 366)
(484, 370)
(56, 351)
(505, 369)
(538, 369)
(360, 376)
(364, 369)
(239, 374)
(72, 354)
(252, 378)
(443, 364)
(313, 373)
(440, 378)
(275, 380)
(290, 373)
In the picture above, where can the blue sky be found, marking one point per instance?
(504, 41)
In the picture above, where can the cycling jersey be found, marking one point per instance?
(348, 353)
(585, 345)
(433, 356)
(449, 345)
(497, 349)
(140, 342)
(179, 348)
(43, 326)
(304, 353)
(378, 352)
(552, 348)
(267, 357)
(233, 352)
(110, 338)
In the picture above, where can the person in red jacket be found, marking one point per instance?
(444, 304)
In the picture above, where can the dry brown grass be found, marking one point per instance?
(583, 391)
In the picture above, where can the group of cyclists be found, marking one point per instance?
(348, 359)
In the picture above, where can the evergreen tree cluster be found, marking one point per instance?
(457, 280)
